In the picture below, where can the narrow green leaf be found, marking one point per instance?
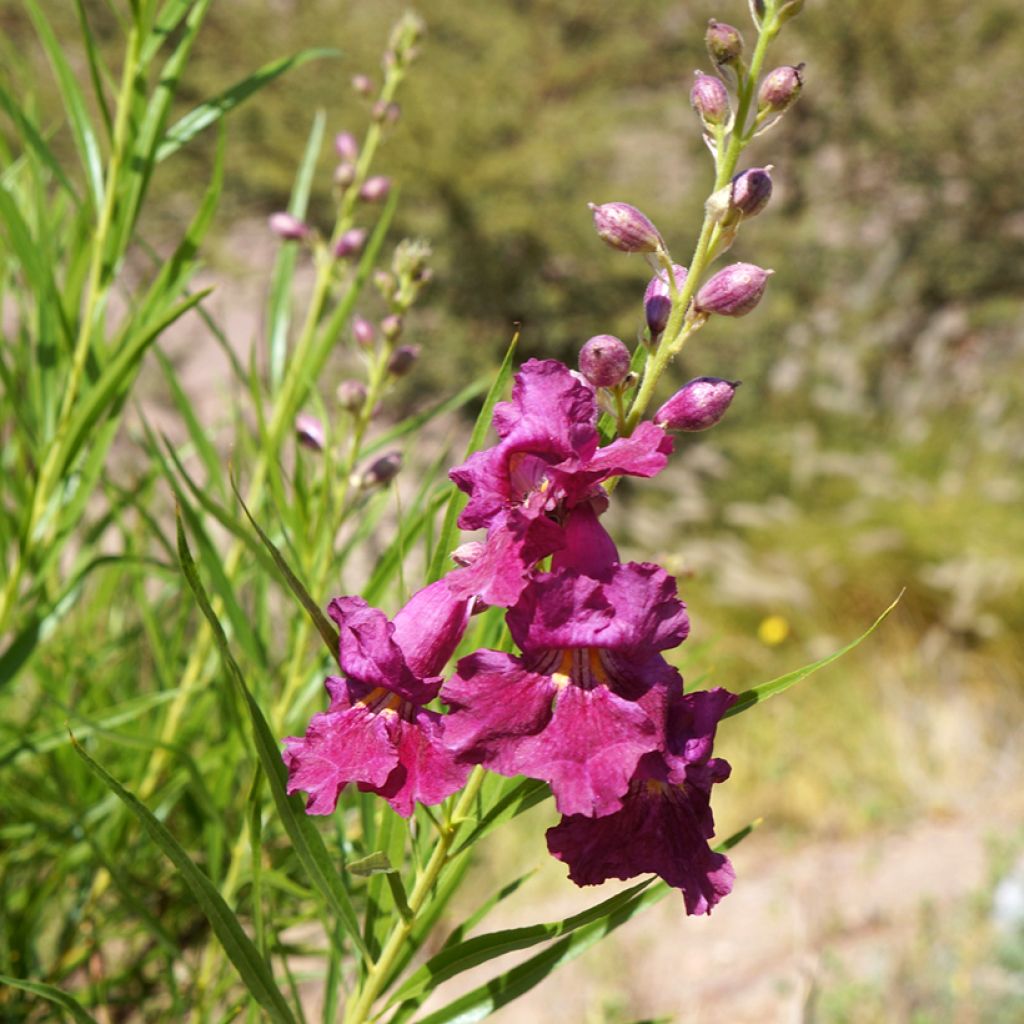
(327, 630)
(759, 694)
(74, 104)
(251, 967)
(212, 110)
(309, 846)
(97, 68)
(499, 991)
(33, 140)
(94, 405)
(53, 994)
(519, 795)
(449, 531)
(377, 863)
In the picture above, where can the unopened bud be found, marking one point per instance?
(309, 432)
(733, 291)
(697, 405)
(391, 326)
(750, 191)
(402, 360)
(344, 175)
(362, 85)
(724, 43)
(710, 99)
(386, 113)
(604, 361)
(350, 243)
(790, 9)
(625, 228)
(780, 89)
(385, 283)
(382, 471)
(756, 10)
(363, 332)
(351, 395)
(289, 227)
(658, 298)
(375, 189)
(346, 147)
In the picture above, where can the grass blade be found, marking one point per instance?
(54, 995)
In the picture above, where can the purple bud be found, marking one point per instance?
(780, 89)
(709, 98)
(385, 283)
(288, 227)
(346, 147)
(604, 361)
(391, 326)
(733, 291)
(625, 228)
(362, 85)
(375, 189)
(344, 175)
(402, 360)
(350, 243)
(697, 405)
(309, 432)
(724, 43)
(382, 471)
(386, 113)
(751, 191)
(363, 332)
(351, 395)
(658, 298)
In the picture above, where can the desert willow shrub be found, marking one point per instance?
(528, 662)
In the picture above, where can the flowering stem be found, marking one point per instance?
(681, 324)
(358, 1012)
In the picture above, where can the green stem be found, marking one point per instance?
(358, 1012)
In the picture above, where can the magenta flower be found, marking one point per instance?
(547, 464)
(665, 820)
(377, 732)
(588, 698)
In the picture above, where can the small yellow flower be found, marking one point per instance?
(773, 630)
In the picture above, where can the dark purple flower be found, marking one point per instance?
(665, 820)
(377, 732)
(589, 696)
(546, 464)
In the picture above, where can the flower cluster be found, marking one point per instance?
(589, 705)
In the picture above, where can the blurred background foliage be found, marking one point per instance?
(878, 440)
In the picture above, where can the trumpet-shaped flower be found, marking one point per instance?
(377, 732)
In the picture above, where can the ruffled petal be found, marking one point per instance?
(636, 609)
(350, 744)
(656, 831)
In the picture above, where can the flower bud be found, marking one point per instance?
(362, 85)
(385, 283)
(386, 113)
(724, 43)
(351, 395)
(382, 471)
(344, 175)
(709, 98)
(733, 291)
(375, 189)
(309, 432)
(604, 361)
(350, 243)
(402, 360)
(346, 147)
(391, 326)
(750, 191)
(697, 405)
(780, 89)
(625, 228)
(288, 227)
(790, 9)
(658, 298)
(363, 332)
